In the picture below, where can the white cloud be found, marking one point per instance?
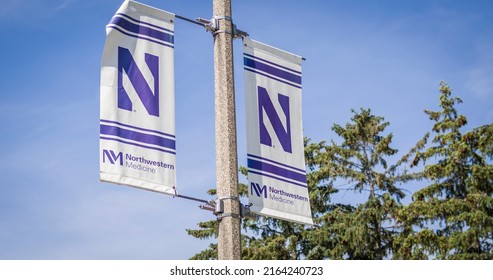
(9, 7)
(64, 4)
(480, 77)
(14, 9)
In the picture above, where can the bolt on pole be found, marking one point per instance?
(229, 244)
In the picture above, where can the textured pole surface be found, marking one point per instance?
(229, 246)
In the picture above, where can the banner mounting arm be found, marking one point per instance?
(194, 21)
(212, 25)
(217, 206)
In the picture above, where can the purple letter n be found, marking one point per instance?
(149, 100)
(265, 104)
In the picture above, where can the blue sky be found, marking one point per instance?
(389, 56)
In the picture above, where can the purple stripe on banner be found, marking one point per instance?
(140, 37)
(139, 128)
(272, 70)
(276, 170)
(138, 145)
(278, 163)
(270, 62)
(137, 136)
(145, 23)
(144, 30)
(271, 77)
(274, 177)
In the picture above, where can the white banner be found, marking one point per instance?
(276, 158)
(137, 114)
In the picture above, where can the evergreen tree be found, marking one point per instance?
(363, 231)
(452, 217)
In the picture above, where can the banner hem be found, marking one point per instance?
(285, 216)
(132, 182)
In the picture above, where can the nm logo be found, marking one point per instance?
(112, 157)
(259, 191)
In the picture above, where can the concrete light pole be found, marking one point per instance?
(229, 243)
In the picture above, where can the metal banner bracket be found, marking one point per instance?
(245, 211)
(212, 26)
(217, 206)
